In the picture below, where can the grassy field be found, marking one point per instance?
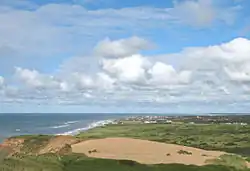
(229, 138)
(75, 162)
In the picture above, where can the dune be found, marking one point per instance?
(144, 151)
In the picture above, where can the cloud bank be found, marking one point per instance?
(213, 74)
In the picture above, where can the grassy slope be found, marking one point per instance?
(230, 160)
(75, 162)
(32, 144)
(229, 138)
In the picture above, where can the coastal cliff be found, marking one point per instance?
(38, 144)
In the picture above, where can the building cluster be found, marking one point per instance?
(150, 119)
(187, 119)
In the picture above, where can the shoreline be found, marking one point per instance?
(72, 132)
(90, 126)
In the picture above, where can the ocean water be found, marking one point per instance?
(66, 124)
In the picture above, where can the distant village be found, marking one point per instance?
(161, 119)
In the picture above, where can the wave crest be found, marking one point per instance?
(90, 126)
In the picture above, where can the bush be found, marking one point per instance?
(92, 151)
(184, 152)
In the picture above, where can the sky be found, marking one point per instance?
(175, 56)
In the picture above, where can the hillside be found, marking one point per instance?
(143, 147)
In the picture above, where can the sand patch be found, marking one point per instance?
(143, 151)
(57, 143)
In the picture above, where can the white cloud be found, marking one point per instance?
(55, 29)
(240, 74)
(121, 48)
(1, 82)
(127, 69)
(235, 51)
(34, 79)
(51, 31)
(164, 74)
(82, 81)
(203, 13)
(104, 81)
(228, 61)
(218, 73)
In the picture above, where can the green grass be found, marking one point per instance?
(229, 138)
(33, 143)
(3, 154)
(230, 160)
(77, 162)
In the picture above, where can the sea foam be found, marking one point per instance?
(60, 126)
(90, 126)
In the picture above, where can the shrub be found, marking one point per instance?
(92, 151)
(184, 152)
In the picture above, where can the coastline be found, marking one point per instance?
(51, 124)
(90, 126)
(72, 132)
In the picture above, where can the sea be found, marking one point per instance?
(54, 124)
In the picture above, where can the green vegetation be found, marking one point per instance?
(184, 152)
(75, 162)
(230, 160)
(33, 143)
(229, 138)
(3, 154)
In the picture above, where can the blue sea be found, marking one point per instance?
(66, 124)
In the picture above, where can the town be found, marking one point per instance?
(164, 119)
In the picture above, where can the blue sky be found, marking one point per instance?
(124, 56)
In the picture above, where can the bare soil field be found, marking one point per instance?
(144, 151)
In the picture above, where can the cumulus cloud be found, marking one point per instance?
(121, 48)
(239, 74)
(34, 79)
(230, 60)
(164, 74)
(128, 69)
(217, 73)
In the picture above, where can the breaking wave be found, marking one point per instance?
(90, 126)
(60, 126)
